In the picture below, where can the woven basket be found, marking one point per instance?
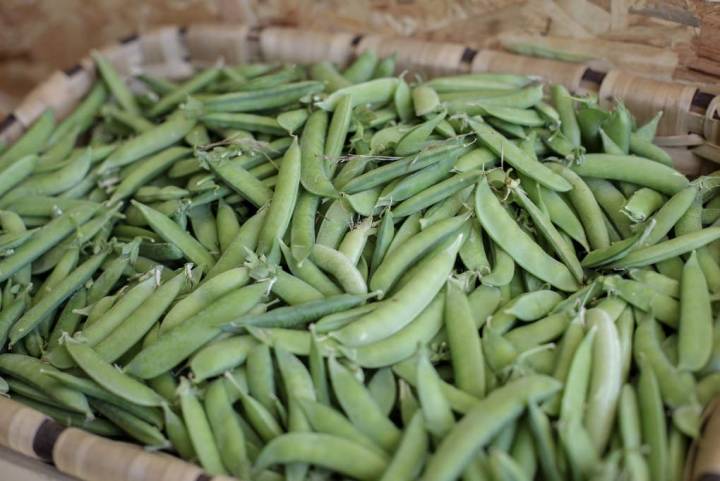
(691, 122)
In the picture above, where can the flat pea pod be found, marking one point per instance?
(314, 175)
(645, 148)
(147, 170)
(518, 159)
(261, 99)
(410, 454)
(435, 407)
(35, 315)
(328, 74)
(220, 356)
(178, 435)
(361, 408)
(484, 420)
(30, 370)
(664, 308)
(337, 132)
(605, 378)
(101, 427)
(403, 344)
(310, 273)
(226, 430)
(415, 248)
(164, 135)
(181, 341)
(670, 214)
(629, 421)
(612, 201)
(283, 200)
(325, 419)
(31, 142)
(302, 228)
(618, 126)
(677, 387)
(340, 267)
(16, 173)
(633, 169)
(172, 233)
(325, 450)
(544, 442)
(501, 227)
(587, 207)
(199, 430)
(373, 91)
(135, 427)
(362, 68)
(181, 92)
(206, 293)
(464, 342)
(241, 181)
(398, 312)
(669, 249)
(542, 221)
(245, 241)
(695, 326)
(111, 378)
(299, 314)
(132, 329)
(436, 193)
(563, 102)
(261, 376)
(402, 100)
(45, 238)
(387, 172)
(115, 83)
(652, 421)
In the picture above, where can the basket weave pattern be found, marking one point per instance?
(690, 115)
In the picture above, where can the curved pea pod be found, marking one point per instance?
(437, 193)
(261, 99)
(633, 169)
(328, 451)
(314, 175)
(164, 135)
(414, 140)
(362, 68)
(645, 148)
(403, 344)
(172, 233)
(605, 378)
(340, 267)
(361, 408)
(696, 322)
(16, 173)
(598, 258)
(35, 315)
(669, 249)
(501, 227)
(664, 308)
(670, 214)
(412, 250)
(45, 238)
(475, 102)
(111, 378)
(678, 387)
(31, 142)
(464, 342)
(30, 370)
(518, 159)
(484, 420)
(181, 341)
(433, 404)
(652, 420)
(147, 170)
(370, 92)
(391, 316)
(544, 224)
(564, 104)
(326, 73)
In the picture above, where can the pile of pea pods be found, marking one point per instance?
(310, 273)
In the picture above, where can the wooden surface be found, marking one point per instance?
(16, 467)
(657, 38)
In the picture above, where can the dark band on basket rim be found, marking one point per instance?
(7, 122)
(203, 477)
(46, 437)
(70, 71)
(594, 76)
(468, 55)
(129, 38)
(357, 39)
(709, 477)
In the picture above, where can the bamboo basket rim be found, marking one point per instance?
(173, 51)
